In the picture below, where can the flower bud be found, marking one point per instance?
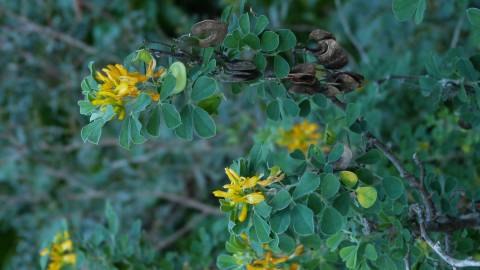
(179, 71)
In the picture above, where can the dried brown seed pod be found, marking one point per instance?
(303, 89)
(241, 71)
(320, 34)
(330, 90)
(240, 65)
(464, 124)
(346, 81)
(210, 32)
(303, 74)
(331, 55)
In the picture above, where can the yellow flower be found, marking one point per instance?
(269, 262)
(60, 252)
(240, 192)
(117, 83)
(300, 136)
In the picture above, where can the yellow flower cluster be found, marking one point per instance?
(270, 262)
(60, 252)
(117, 83)
(300, 136)
(241, 190)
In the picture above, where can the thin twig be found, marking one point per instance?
(348, 32)
(436, 246)
(456, 32)
(411, 179)
(192, 224)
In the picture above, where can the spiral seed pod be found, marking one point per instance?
(330, 91)
(241, 71)
(303, 89)
(346, 81)
(303, 74)
(209, 32)
(329, 53)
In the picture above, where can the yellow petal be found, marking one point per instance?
(232, 175)
(221, 194)
(243, 213)
(250, 182)
(254, 198)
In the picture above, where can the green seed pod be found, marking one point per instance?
(179, 71)
(348, 178)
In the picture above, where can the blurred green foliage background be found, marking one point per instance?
(47, 173)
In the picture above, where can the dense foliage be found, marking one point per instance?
(352, 148)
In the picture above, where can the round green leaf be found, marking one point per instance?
(302, 220)
(269, 41)
(280, 221)
(287, 40)
(280, 66)
(203, 88)
(281, 200)
(329, 186)
(203, 123)
(308, 183)
(331, 221)
(393, 187)
(366, 196)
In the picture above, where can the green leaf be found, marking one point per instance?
(393, 187)
(349, 256)
(290, 107)
(352, 113)
(320, 100)
(261, 228)
(203, 123)
(334, 241)
(302, 220)
(286, 243)
(135, 130)
(280, 221)
(153, 125)
(140, 103)
(336, 153)
(329, 186)
(281, 200)
(308, 183)
(227, 262)
(269, 41)
(171, 116)
(230, 42)
(404, 9)
(420, 11)
(370, 252)
(211, 104)
(370, 157)
(93, 131)
(280, 66)
(252, 41)
(260, 24)
(244, 22)
(112, 218)
(473, 15)
(125, 137)
(185, 129)
(263, 209)
(168, 86)
(86, 107)
(203, 88)
(287, 40)
(260, 61)
(274, 110)
(331, 221)
(366, 196)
